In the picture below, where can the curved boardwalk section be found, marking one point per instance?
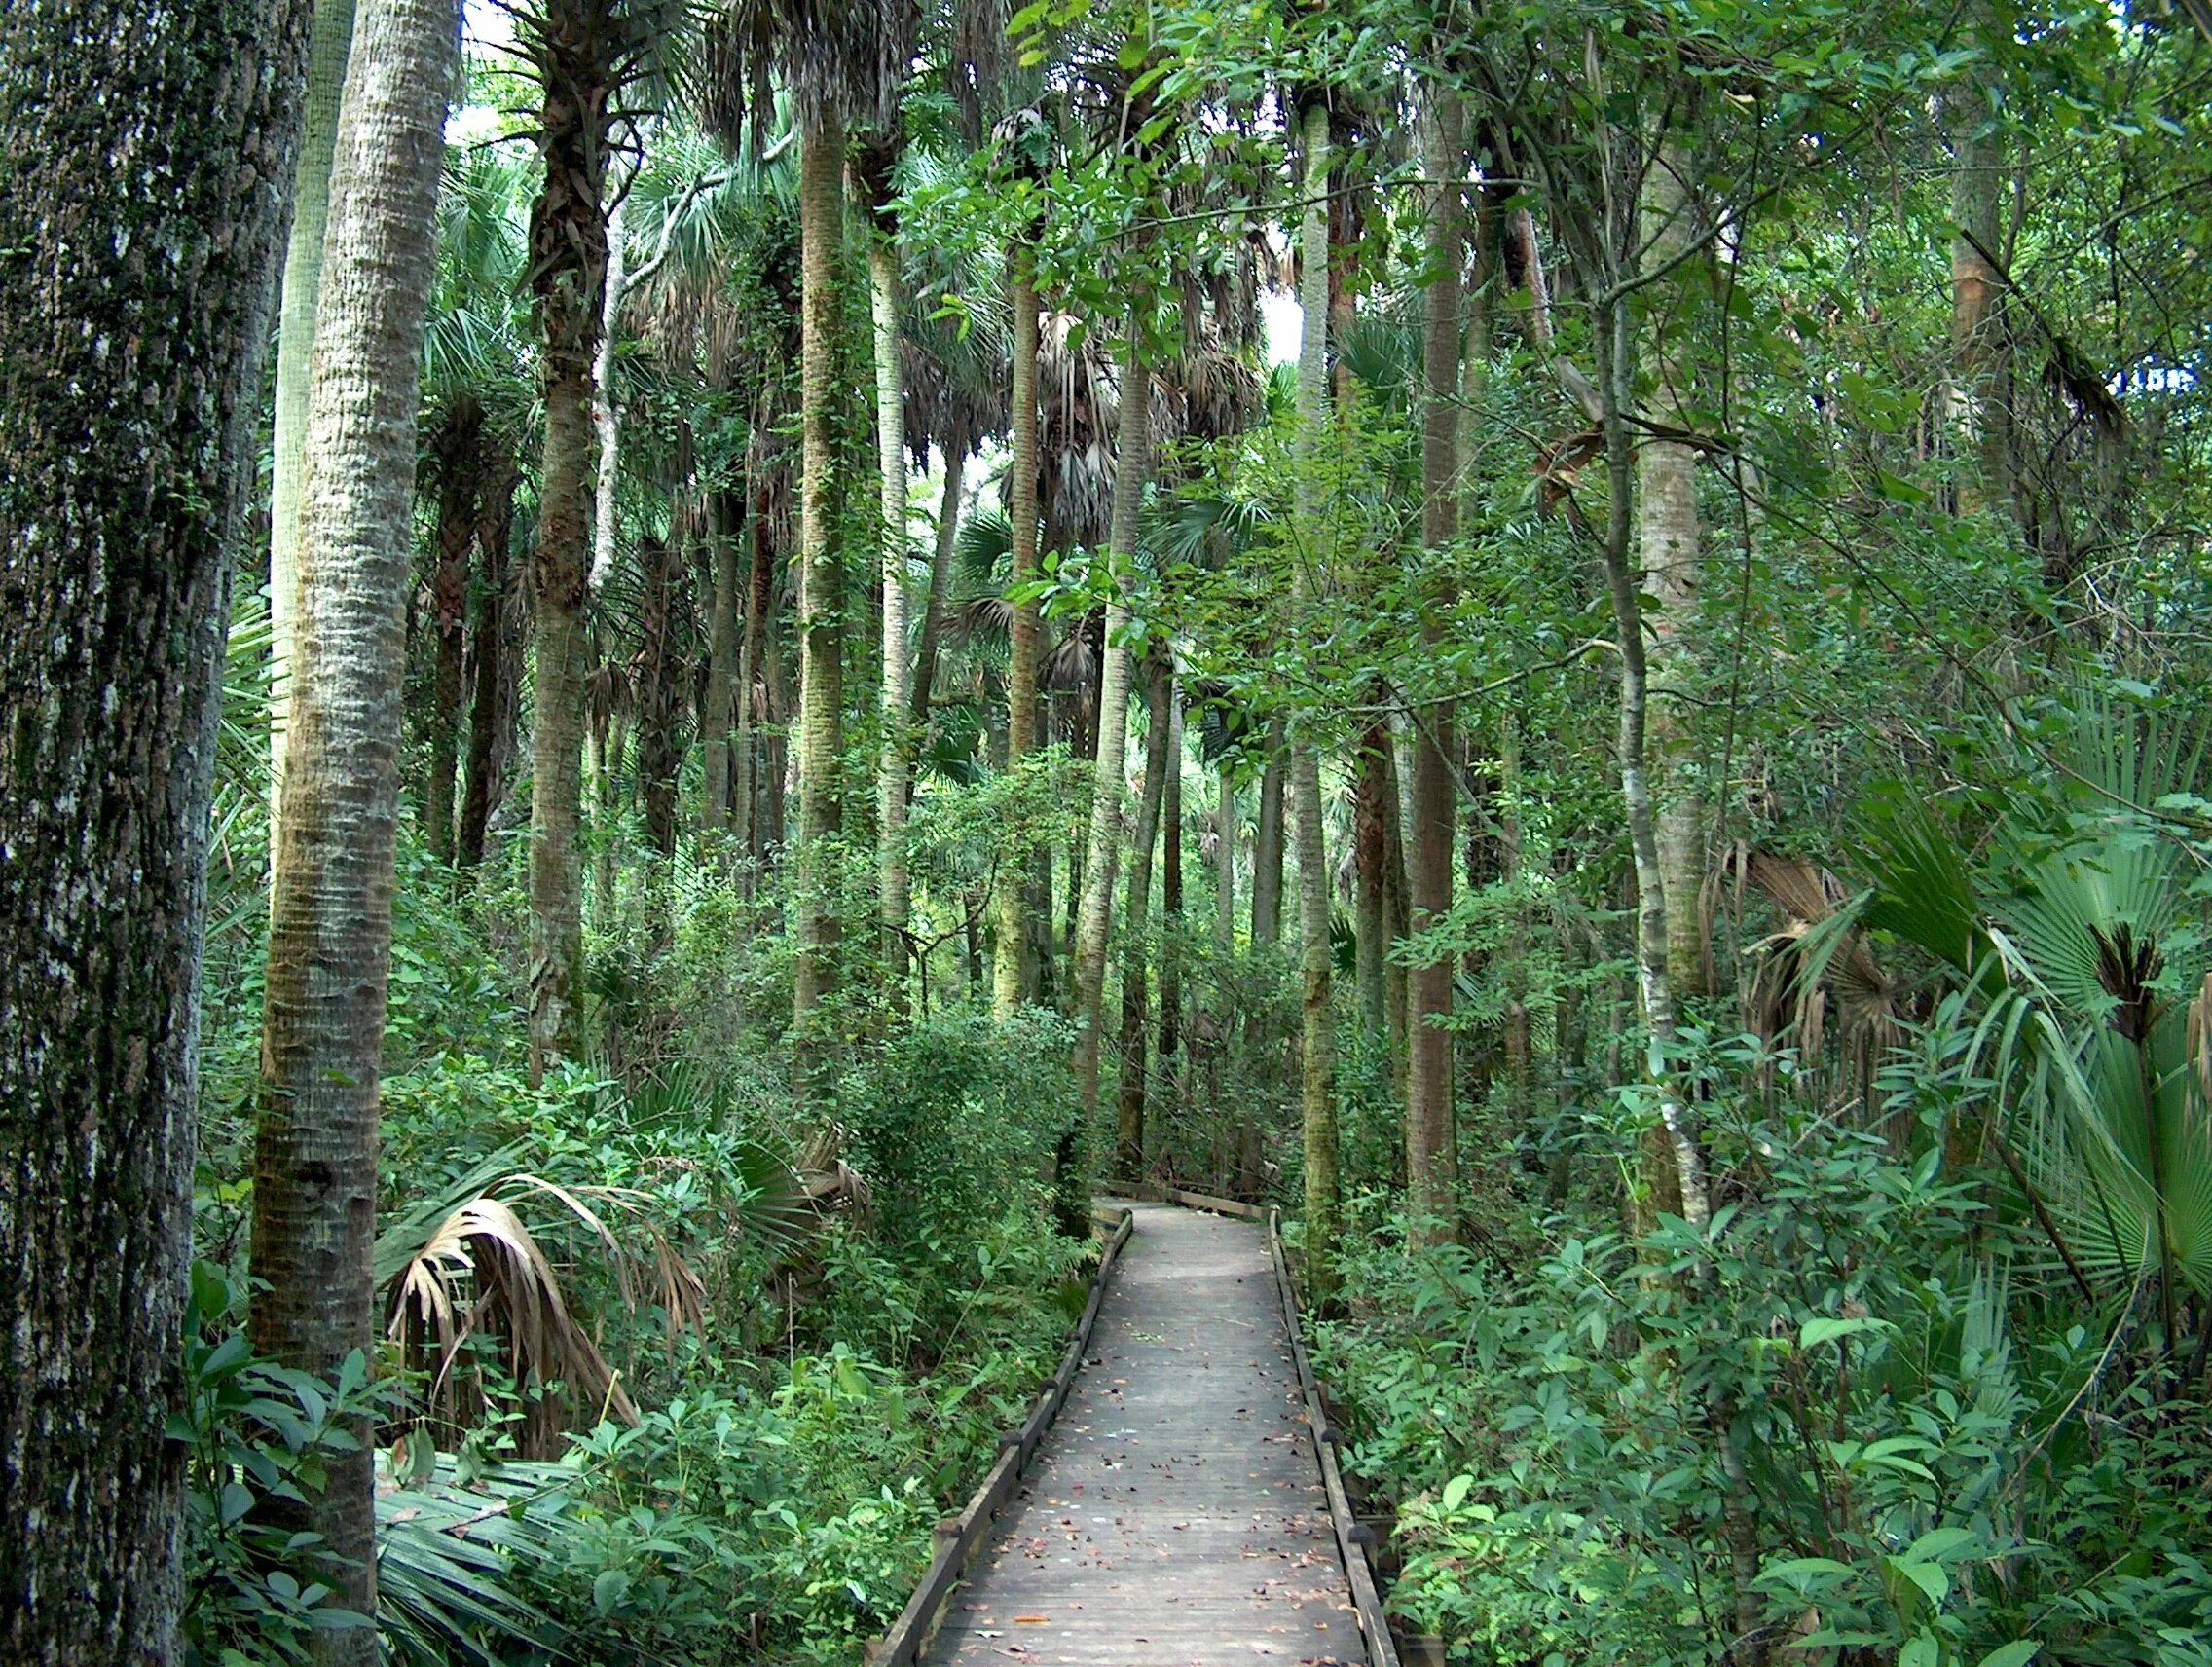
(1174, 1513)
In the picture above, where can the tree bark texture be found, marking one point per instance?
(1010, 956)
(1432, 1162)
(1371, 808)
(568, 249)
(329, 44)
(1171, 891)
(821, 591)
(1094, 919)
(314, 1164)
(1128, 1143)
(150, 154)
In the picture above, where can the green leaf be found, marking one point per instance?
(1455, 1492)
(2018, 1653)
(1825, 1329)
(609, 1589)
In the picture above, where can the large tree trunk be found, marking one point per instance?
(820, 598)
(329, 44)
(1318, 1100)
(1128, 1144)
(1009, 981)
(660, 759)
(1431, 1180)
(130, 355)
(1267, 841)
(489, 634)
(725, 657)
(457, 450)
(894, 761)
(1094, 919)
(1667, 543)
(567, 245)
(940, 583)
(314, 1164)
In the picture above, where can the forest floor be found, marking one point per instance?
(1175, 1512)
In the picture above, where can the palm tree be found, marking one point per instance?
(130, 461)
(330, 913)
(329, 44)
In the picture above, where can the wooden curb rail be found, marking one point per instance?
(959, 1537)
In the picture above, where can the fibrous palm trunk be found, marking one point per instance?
(821, 599)
(1128, 1143)
(567, 245)
(1009, 981)
(894, 766)
(328, 46)
(315, 1170)
(130, 355)
(1094, 919)
(1318, 1100)
(1431, 1180)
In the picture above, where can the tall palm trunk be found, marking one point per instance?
(315, 1170)
(328, 48)
(567, 245)
(1317, 1099)
(1128, 1144)
(1009, 970)
(130, 460)
(1668, 535)
(820, 598)
(725, 656)
(894, 766)
(458, 449)
(487, 634)
(940, 581)
(1432, 1179)
(1094, 919)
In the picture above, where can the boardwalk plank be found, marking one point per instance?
(1175, 1512)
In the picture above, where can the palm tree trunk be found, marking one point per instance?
(315, 1171)
(1431, 1180)
(940, 582)
(1094, 919)
(1267, 843)
(328, 48)
(724, 656)
(568, 268)
(820, 594)
(1318, 1100)
(894, 766)
(1668, 533)
(1129, 1145)
(1009, 981)
(130, 461)
(459, 472)
(488, 632)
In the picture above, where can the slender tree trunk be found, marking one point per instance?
(1129, 1145)
(132, 345)
(1268, 843)
(726, 654)
(1431, 1182)
(1009, 980)
(1398, 904)
(940, 583)
(569, 242)
(820, 595)
(459, 450)
(1371, 807)
(660, 759)
(1171, 891)
(606, 413)
(314, 1168)
(1317, 1099)
(487, 630)
(1519, 1042)
(1668, 533)
(1225, 874)
(1096, 919)
(329, 44)
(749, 751)
(894, 766)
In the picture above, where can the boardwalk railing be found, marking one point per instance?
(959, 1537)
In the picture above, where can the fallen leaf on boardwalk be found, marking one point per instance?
(1032, 1620)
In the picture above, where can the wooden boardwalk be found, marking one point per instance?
(1174, 1515)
